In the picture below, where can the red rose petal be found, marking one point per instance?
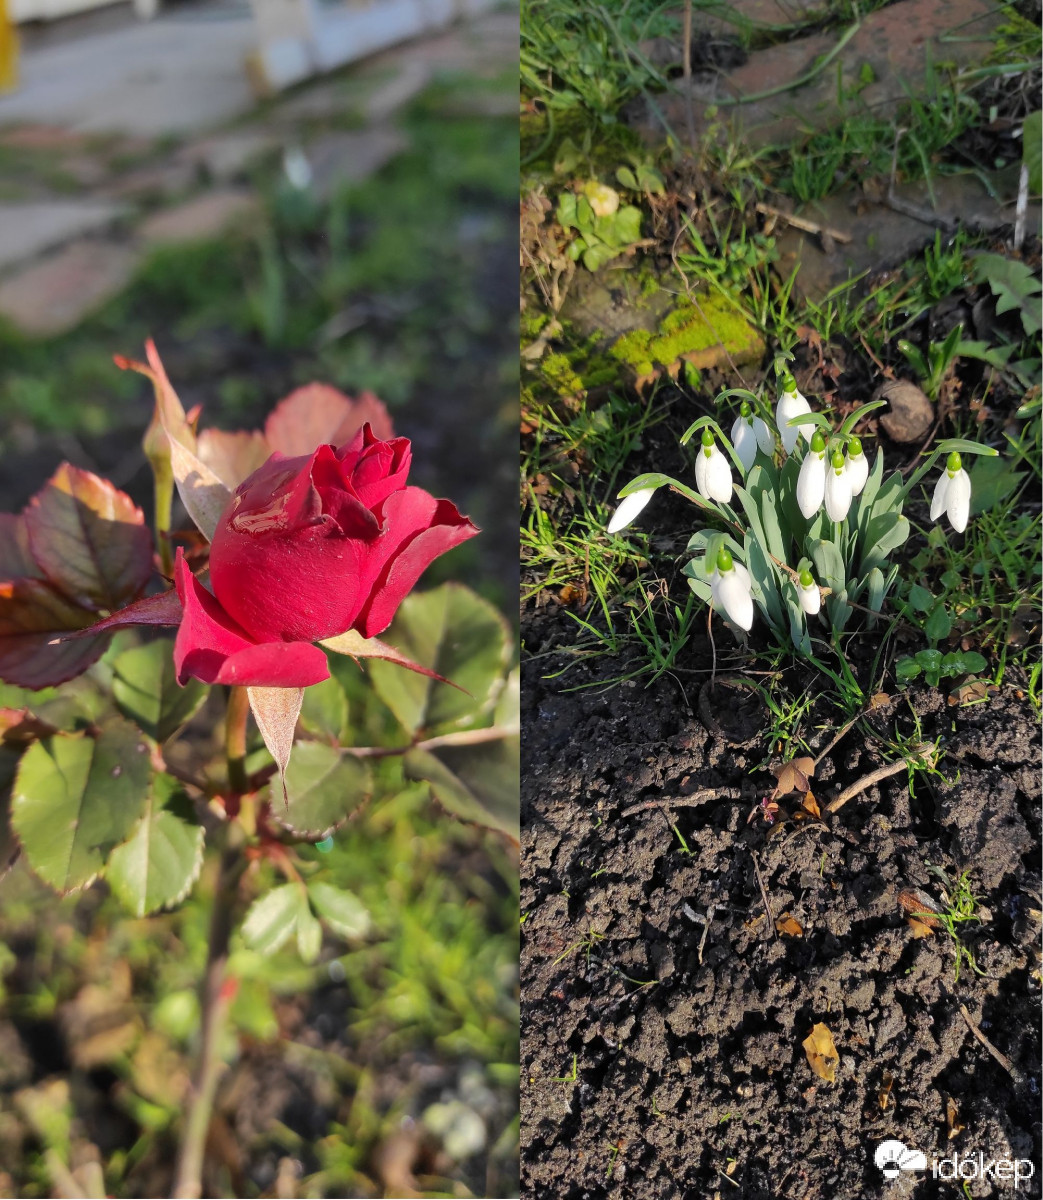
(418, 529)
(211, 647)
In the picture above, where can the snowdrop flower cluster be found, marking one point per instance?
(800, 530)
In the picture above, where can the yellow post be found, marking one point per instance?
(8, 51)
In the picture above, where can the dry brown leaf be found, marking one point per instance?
(808, 808)
(919, 905)
(952, 1113)
(793, 776)
(971, 692)
(822, 1052)
(880, 700)
(789, 925)
(884, 1095)
(919, 928)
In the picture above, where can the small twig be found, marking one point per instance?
(692, 801)
(803, 223)
(764, 895)
(867, 781)
(1022, 207)
(1013, 1071)
(836, 738)
(711, 909)
(686, 70)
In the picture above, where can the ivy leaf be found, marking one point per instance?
(456, 633)
(160, 861)
(145, 687)
(324, 787)
(76, 798)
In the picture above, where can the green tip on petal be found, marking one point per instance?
(954, 462)
(707, 438)
(818, 442)
(744, 410)
(789, 384)
(838, 461)
(854, 447)
(724, 559)
(806, 579)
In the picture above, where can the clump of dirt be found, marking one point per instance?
(664, 1012)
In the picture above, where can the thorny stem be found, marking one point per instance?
(217, 994)
(218, 989)
(235, 739)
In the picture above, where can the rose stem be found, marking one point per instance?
(217, 989)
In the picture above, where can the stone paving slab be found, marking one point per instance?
(202, 217)
(881, 237)
(340, 159)
(894, 45)
(29, 228)
(54, 294)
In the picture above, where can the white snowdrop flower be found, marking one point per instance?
(750, 434)
(713, 475)
(952, 494)
(810, 596)
(629, 508)
(838, 489)
(857, 466)
(811, 482)
(791, 404)
(730, 590)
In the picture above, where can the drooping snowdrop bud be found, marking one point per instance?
(743, 438)
(811, 482)
(791, 404)
(952, 494)
(730, 590)
(857, 466)
(810, 597)
(838, 489)
(765, 438)
(713, 475)
(629, 508)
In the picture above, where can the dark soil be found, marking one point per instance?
(687, 1039)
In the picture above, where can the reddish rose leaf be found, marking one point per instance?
(276, 710)
(318, 415)
(169, 410)
(89, 539)
(233, 456)
(354, 645)
(202, 492)
(32, 615)
(164, 609)
(16, 560)
(20, 726)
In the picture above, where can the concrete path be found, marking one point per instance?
(181, 72)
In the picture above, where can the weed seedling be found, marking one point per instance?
(571, 1077)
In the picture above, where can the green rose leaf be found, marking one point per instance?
(76, 798)
(455, 633)
(272, 918)
(144, 685)
(342, 911)
(324, 787)
(325, 710)
(160, 861)
(477, 783)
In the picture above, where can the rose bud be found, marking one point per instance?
(309, 548)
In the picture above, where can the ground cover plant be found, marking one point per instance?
(780, 870)
(388, 1063)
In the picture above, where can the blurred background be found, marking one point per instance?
(277, 192)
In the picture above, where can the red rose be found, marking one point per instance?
(309, 548)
